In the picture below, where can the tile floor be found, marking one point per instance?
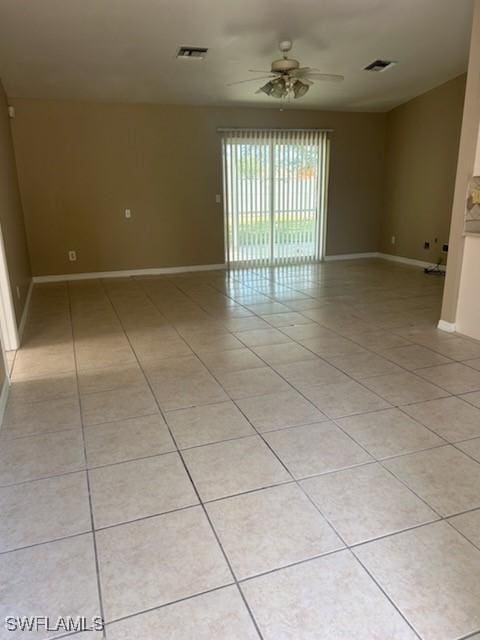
(289, 453)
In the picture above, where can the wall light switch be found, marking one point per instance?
(128, 213)
(218, 198)
(393, 240)
(72, 256)
(19, 295)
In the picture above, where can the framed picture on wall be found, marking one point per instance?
(472, 212)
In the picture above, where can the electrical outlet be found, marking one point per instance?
(218, 198)
(128, 213)
(72, 256)
(393, 240)
(445, 248)
(426, 244)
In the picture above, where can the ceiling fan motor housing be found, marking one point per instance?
(284, 65)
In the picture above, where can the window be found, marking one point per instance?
(275, 195)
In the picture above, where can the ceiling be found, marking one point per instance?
(124, 50)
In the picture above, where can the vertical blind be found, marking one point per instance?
(275, 195)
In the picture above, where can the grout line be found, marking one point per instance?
(90, 499)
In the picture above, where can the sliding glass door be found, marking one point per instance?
(275, 195)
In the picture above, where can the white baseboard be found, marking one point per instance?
(4, 396)
(410, 261)
(449, 327)
(351, 256)
(26, 306)
(126, 273)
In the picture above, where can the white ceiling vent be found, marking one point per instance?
(380, 65)
(192, 53)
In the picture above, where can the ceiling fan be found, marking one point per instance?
(286, 78)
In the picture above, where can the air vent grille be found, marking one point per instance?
(380, 65)
(192, 53)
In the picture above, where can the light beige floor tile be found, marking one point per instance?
(445, 478)
(246, 324)
(228, 361)
(217, 615)
(140, 488)
(207, 424)
(472, 398)
(41, 456)
(404, 388)
(454, 378)
(26, 389)
(331, 346)
(316, 448)
(190, 391)
(279, 410)
(162, 371)
(344, 399)
(433, 575)
(138, 573)
(307, 331)
(366, 502)
(97, 354)
(414, 356)
(261, 337)
(118, 404)
(459, 349)
(361, 365)
(290, 319)
(252, 382)
(347, 603)
(389, 433)
(232, 467)
(475, 363)
(95, 380)
(277, 354)
(379, 340)
(452, 418)
(43, 510)
(73, 592)
(263, 308)
(43, 361)
(471, 448)
(469, 525)
(147, 348)
(310, 373)
(208, 343)
(127, 439)
(269, 529)
(40, 417)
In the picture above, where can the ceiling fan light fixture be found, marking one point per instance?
(279, 88)
(300, 89)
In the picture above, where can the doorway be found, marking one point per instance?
(275, 195)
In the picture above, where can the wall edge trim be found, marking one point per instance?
(4, 396)
(91, 275)
(410, 261)
(351, 256)
(26, 308)
(449, 327)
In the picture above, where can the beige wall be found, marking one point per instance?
(11, 215)
(81, 164)
(421, 159)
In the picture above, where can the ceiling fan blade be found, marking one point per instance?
(327, 77)
(300, 71)
(260, 71)
(230, 84)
